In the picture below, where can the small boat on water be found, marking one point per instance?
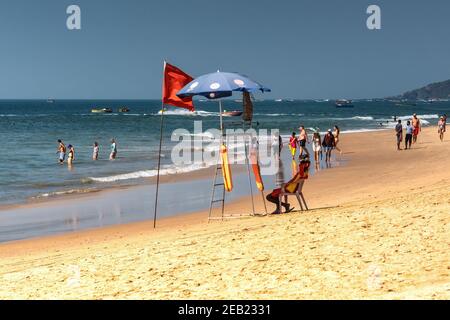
(234, 113)
(50, 100)
(124, 110)
(343, 103)
(405, 103)
(102, 110)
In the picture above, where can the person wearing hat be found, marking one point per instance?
(328, 144)
(71, 155)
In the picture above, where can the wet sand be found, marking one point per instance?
(379, 228)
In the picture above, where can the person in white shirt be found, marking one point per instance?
(409, 135)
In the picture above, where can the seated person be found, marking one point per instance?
(290, 186)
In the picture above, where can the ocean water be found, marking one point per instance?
(29, 131)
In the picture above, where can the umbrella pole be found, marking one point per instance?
(221, 120)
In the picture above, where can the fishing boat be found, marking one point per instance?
(102, 110)
(343, 103)
(50, 100)
(124, 110)
(234, 113)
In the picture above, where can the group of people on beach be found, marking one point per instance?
(62, 150)
(327, 144)
(413, 128)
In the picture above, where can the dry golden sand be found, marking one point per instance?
(379, 228)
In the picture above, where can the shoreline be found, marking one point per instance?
(204, 173)
(186, 177)
(378, 228)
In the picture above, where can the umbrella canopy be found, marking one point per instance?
(219, 85)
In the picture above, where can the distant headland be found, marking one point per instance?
(433, 91)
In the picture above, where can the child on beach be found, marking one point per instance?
(71, 156)
(409, 134)
(61, 151)
(95, 151)
(113, 153)
(293, 141)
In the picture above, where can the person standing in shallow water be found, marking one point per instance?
(61, 151)
(71, 155)
(113, 154)
(399, 133)
(95, 151)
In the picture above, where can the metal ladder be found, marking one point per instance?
(215, 186)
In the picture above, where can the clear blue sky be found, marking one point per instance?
(300, 49)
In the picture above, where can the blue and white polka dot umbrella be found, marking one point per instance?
(219, 85)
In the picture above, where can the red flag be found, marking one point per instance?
(174, 81)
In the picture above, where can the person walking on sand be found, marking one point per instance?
(336, 134)
(409, 134)
(95, 151)
(113, 154)
(317, 148)
(441, 128)
(302, 141)
(61, 151)
(293, 141)
(417, 127)
(71, 155)
(328, 144)
(399, 133)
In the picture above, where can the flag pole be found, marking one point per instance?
(159, 153)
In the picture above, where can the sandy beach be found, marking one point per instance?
(378, 228)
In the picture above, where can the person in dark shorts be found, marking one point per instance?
(409, 135)
(302, 140)
(328, 144)
(399, 133)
